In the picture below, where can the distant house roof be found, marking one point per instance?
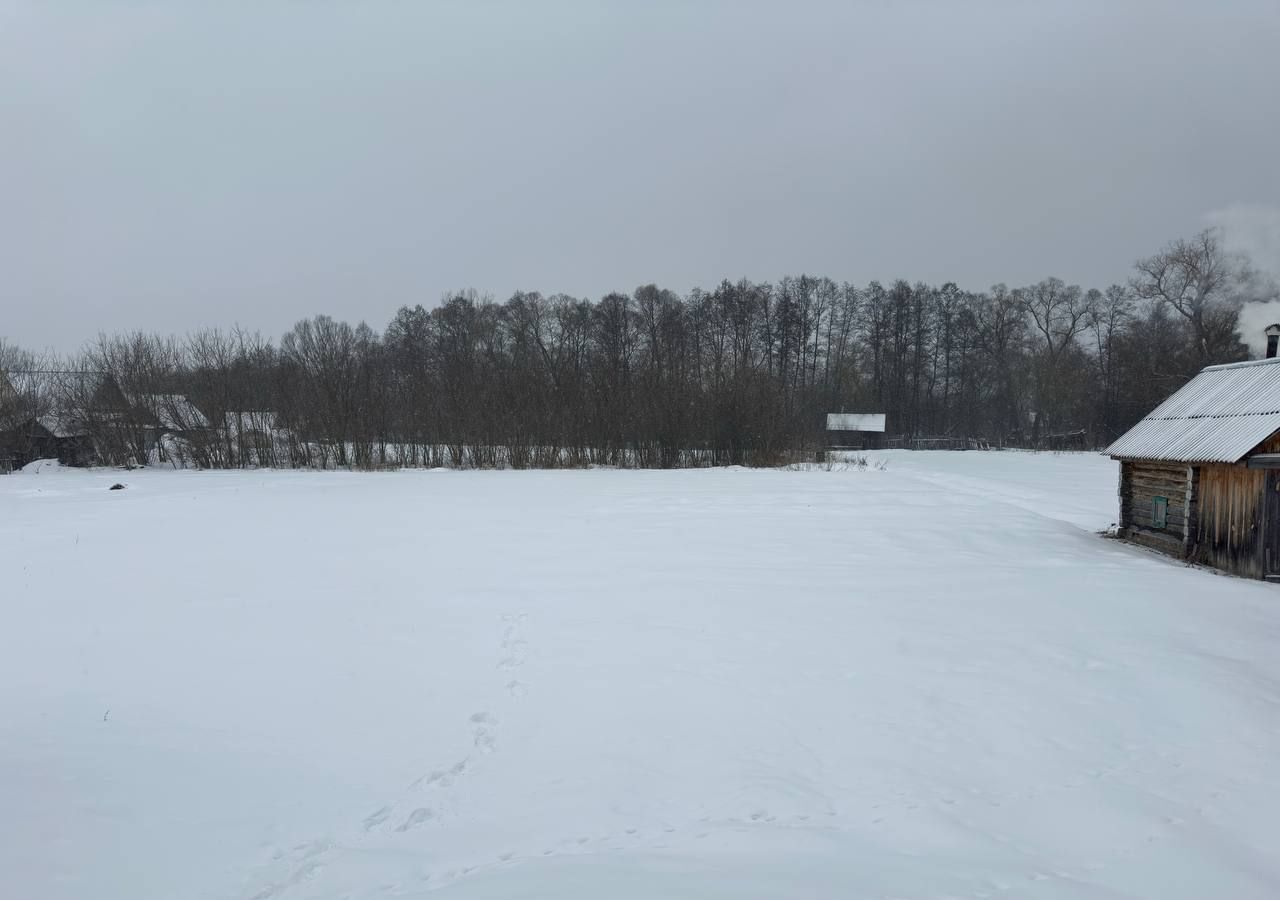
(1218, 416)
(855, 421)
(173, 412)
(62, 426)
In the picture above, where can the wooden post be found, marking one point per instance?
(1190, 518)
(1122, 492)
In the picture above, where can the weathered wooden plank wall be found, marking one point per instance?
(1230, 533)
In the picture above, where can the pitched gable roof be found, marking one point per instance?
(172, 412)
(1218, 416)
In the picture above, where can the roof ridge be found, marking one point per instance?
(1227, 415)
(1243, 364)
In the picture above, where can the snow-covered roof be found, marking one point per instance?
(1218, 416)
(855, 421)
(62, 426)
(174, 412)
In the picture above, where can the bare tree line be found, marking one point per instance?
(740, 374)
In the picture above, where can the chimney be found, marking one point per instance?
(1273, 337)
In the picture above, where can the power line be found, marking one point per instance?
(53, 371)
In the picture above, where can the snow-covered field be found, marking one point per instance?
(931, 681)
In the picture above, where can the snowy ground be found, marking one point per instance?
(931, 681)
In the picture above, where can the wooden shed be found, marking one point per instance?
(1200, 476)
(854, 431)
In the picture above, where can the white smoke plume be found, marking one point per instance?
(1254, 231)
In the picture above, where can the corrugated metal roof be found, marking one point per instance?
(1218, 416)
(855, 421)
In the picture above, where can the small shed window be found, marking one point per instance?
(1159, 512)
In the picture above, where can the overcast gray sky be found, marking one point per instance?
(167, 165)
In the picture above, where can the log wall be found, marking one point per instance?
(1141, 481)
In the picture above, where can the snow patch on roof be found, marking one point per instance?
(855, 421)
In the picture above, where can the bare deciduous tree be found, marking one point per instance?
(1204, 284)
(741, 374)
